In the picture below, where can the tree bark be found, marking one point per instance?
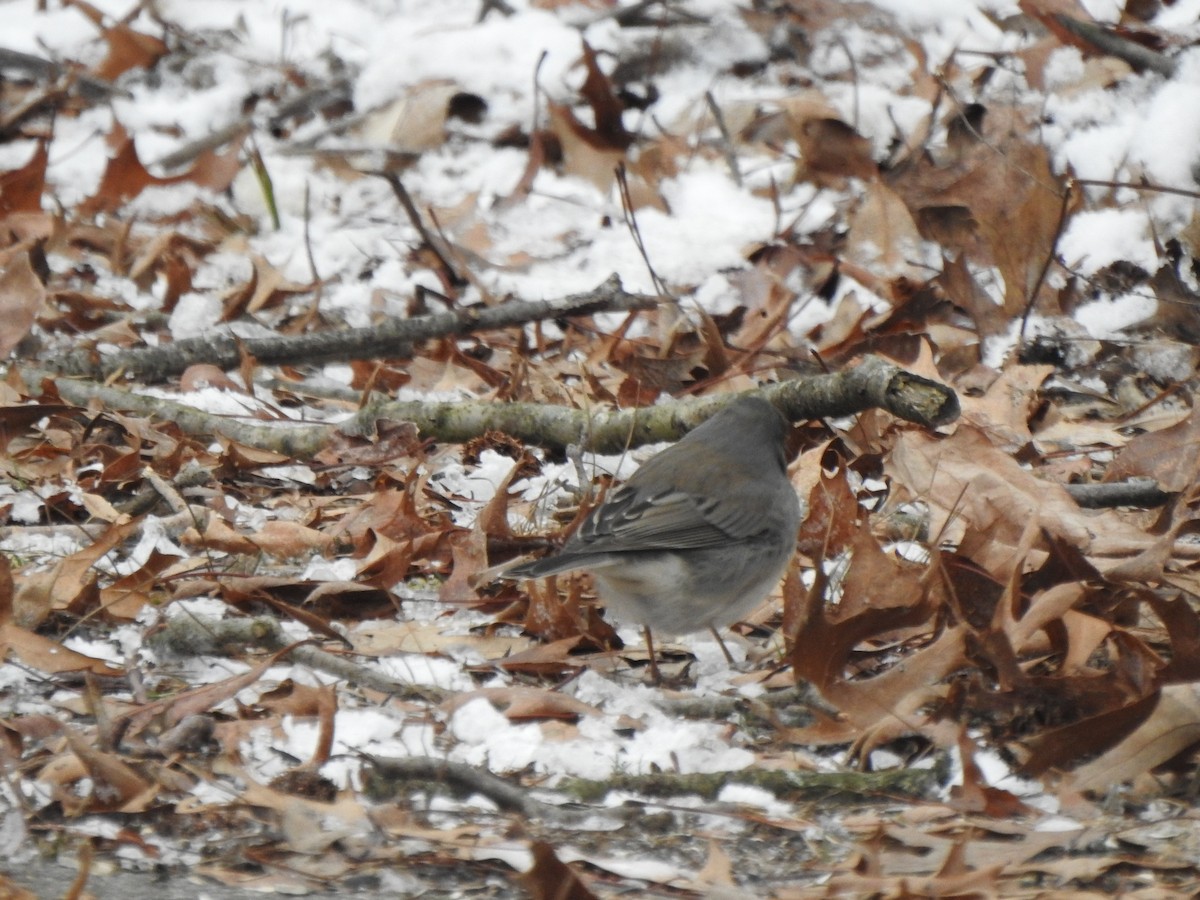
(874, 382)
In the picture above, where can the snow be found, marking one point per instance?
(1145, 126)
(1164, 142)
(1097, 238)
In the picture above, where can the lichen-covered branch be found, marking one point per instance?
(299, 441)
(873, 383)
(840, 788)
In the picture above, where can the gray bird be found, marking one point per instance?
(701, 532)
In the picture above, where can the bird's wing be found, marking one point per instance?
(672, 519)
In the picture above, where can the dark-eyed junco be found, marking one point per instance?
(701, 532)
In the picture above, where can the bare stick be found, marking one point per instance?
(727, 147)
(1112, 44)
(89, 88)
(436, 246)
(1050, 253)
(393, 338)
(194, 636)
(635, 231)
(189, 151)
(1143, 494)
(1147, 186)
(655, 674)
(720, 643)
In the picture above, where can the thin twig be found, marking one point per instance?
(318, 284)
(1144, 186)
(1046, 263)
(841, 42)
(727, 147)
(433, 243)
(631, 223)
(189, 151)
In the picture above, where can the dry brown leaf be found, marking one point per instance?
(469, 553)
(218, 535)
(582, 157)
(290, 698)
(521, 704)
(1004, 410)
(267, 287)
(964, 291)
(1153, 730)
(607, 108)
(49, 656)
(829, 148)
(552, 616)
(1183, 627)
(314, 603)
(414, 122)
(21, 189)
(881, 595)
(22, 296)
(998, 200)
(1171, 456)
(833, 517)
(117, 785)
(544, 659)
(967, 480)
(204, 375)
(386, 561)
(128, 49)
(717, 871)
(292, 540)
(883, 236)
(173, 710)
(125, 177)
(392, 513)
(551, 878)
(282, 540)
(70, 583)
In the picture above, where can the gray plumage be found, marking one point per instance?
(701, 532)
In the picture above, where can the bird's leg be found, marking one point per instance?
(720, 643)
(655, 675)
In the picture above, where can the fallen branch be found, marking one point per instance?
(1142, 493)
(90, 88)
(297, 441)
(386, 778)
(394, 338)
(1107, 41)
(841, 788)
(194, 636)
(874, 382)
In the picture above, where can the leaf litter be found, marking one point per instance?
(213, 645)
